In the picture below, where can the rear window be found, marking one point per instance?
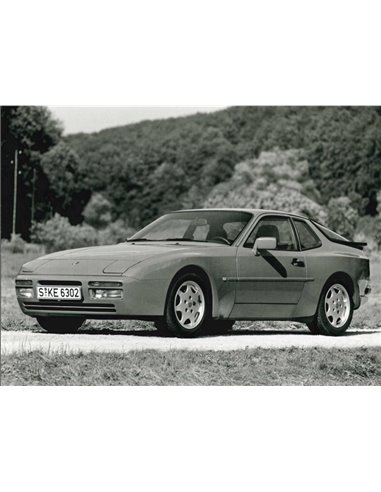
(307, 238)
(333, 236)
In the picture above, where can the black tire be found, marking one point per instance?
(313, 327)
(220, 327)
(162, 328)
(324, 323)
(171, 317)
(60, 324)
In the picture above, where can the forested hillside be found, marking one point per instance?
(277, 180)
(148, 168)
(155, 166)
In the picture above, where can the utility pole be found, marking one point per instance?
(33, 193)
(15, 194)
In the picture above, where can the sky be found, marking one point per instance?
(94, 118)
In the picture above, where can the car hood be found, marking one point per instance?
(96, 260)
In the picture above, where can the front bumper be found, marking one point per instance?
(364, 287)
(143, 299)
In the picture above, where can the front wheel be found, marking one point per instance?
(188, 308)
(162, 328)
(335, 310)
(220, 327)
(60, 324)
(313, 327)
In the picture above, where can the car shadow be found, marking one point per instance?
(359, 332)
(153, 333)
(294, 332)
(107, 331)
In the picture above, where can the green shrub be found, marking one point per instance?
(115, 232)
(342, 217)
(379, 203)
(85, 235)
(58, 234)
(277, 179)
(97, 212)
(15, 245)
(370, 229)
(377, 231)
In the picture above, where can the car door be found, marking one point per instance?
(269, 284)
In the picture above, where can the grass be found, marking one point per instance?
(291, 366)
(12, 262)
(369, 315)
(12, 317)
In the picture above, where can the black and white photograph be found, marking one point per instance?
(227, 246)
(190, 246)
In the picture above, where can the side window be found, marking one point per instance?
(278, 227)
(308, 239)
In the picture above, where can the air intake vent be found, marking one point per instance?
(24, 283)
(70, 306)
(59, 282)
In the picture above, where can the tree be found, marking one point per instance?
(194, 154)
(67, 193)
(32, 131)
(342, 218)
(97, 212)
(379, 203)
(344, 150)
(57, 234)
(275, 180)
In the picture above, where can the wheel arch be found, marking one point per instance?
(344, 277)
(205, 276)
(348, 282)
(323, 325)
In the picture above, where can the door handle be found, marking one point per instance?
(297, 262)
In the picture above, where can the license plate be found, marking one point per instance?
(59, 292)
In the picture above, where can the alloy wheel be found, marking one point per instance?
(337, 305)
(189, 304)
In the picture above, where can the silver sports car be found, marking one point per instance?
(198, 271)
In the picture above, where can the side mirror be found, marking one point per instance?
(264, 243)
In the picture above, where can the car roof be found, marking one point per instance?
(255, 211)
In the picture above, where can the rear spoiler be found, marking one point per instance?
(352, 244)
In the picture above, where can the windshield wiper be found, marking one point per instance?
(165, 239)
(139, 239)
(178, 239)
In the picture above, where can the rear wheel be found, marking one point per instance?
(188, 308)
(60, 324)
(335, 310)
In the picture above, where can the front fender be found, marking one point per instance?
(216, 265)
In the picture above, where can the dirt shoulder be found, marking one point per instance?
(123, 342)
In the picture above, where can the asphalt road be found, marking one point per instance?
(121, 342)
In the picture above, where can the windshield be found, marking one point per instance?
(196, 225)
